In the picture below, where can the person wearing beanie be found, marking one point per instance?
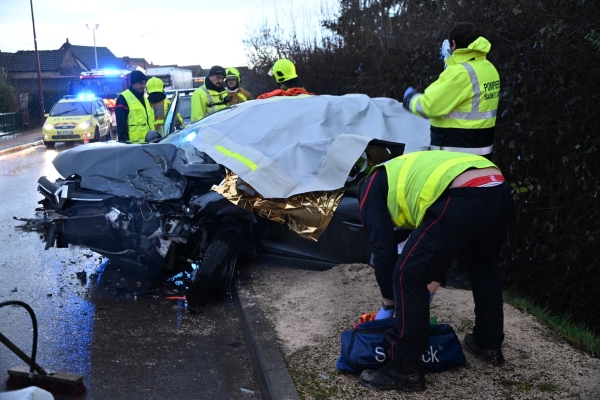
(210, 97)
(284, 72)
(160, 104)
(135, 116)
(233, 79)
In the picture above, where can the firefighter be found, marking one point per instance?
(233, 79)
(454, 203)
(135, 116)
(160, 104)
(461, 105)
(284, 72)
(210, 97)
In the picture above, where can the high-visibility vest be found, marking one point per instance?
(416, 180)
(140, 119)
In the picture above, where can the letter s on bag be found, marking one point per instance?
(381, 354)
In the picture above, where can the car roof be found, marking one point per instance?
(71, 99)
(75, 100)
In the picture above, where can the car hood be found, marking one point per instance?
(154, 172)
(283, 146)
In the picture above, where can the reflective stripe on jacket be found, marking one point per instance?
(206, 101)
(140, 119)
(464, 99)
(160, 112)
(416, 180)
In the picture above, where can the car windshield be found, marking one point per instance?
(72, 108)
(182, 140)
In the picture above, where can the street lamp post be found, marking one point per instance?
(37, 63)
(93, 27)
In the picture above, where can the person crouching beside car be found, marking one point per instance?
(135, 116)
(454, 203)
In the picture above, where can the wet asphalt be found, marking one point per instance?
(128, 338)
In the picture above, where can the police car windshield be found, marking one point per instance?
(72, 108)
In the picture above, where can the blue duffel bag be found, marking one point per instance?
(364, 347)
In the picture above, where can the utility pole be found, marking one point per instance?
(93, 28)
(37, 61)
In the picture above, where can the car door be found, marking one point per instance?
(169, 126)
(107, 122)
(101, 114)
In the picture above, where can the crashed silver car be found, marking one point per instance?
(273, 178)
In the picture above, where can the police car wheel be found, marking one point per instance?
(96, 135)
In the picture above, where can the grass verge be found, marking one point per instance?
(575, 333)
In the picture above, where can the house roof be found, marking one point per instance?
(24, 60)
(139, 61)
(5, 58)
(106, 59)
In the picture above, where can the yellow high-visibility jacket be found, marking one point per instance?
(239, 96)
(462, 104)
(206, 101)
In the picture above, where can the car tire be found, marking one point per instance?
(214, 274)
(49, 145)
(96, 135)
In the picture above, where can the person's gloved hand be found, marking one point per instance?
(407, 96)
(382, 314)
(445, 51)
(431, 297)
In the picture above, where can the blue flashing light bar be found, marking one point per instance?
(86, 96)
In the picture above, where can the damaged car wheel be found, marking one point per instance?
(214, 274)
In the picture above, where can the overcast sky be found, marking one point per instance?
(183, 32)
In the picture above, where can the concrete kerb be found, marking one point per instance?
(273, 375)
(20, 147)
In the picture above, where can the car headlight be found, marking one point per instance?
(47, 127)
(85, 125)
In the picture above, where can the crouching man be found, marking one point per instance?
(456, 203)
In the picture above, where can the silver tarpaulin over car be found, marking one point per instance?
(283, 146)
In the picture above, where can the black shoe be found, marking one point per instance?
(390, 377)
(492, 357)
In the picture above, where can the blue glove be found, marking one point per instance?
(408, 94)
(409, 91)
(431, 297)
(382, 314)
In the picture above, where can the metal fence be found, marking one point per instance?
(10, 123)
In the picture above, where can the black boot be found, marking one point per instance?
(394, 377)
(492, 357)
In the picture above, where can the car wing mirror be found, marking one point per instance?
(152, 136)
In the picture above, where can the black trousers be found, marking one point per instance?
(467, 221)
